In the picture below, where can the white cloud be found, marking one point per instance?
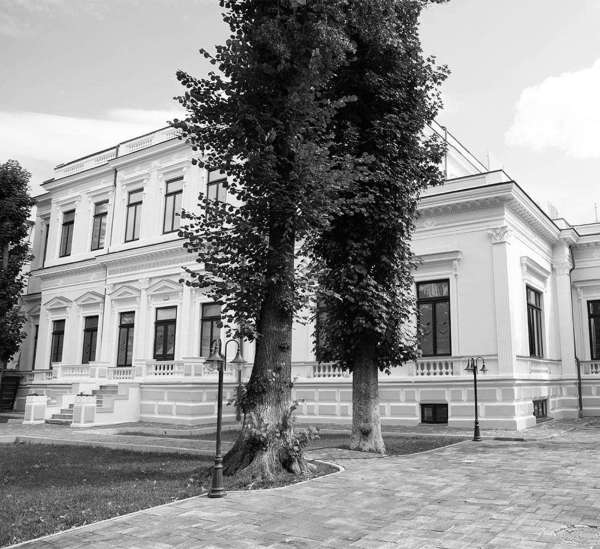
(561, 112)
(41, 141)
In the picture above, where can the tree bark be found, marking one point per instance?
(366, 422)
(263, 448)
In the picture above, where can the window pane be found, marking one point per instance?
(595, 337)
(127, 318)
(442, 327)
(130, 223)
(136, 196)
(166, 313)
(211, 309)
(433, 289)
(594, 307)
(221, 193)
(211, 191)
(170, 343)
(175, 185)
(59, 326)
(177, 211)
(96, 232)
(159, 342)
(69, 216)
(426, 328)
(101, 208)
(136, 225)
(91, 322)
(168, 218)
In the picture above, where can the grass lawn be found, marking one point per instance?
(46, 489)
(396, 445)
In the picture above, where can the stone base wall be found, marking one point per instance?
(503, 404)
(184, 403)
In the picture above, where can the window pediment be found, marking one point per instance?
(90, 298)
(57, 303)
(125, 292)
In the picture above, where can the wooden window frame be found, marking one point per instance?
(535, 338)
(127, 327)
(173, 214)
(433, 301)
(93, 334)
(56, 342)
(101, 219)
(593, 317)
(136, 208)
(164, 326)
(66, 235)
(212, 319)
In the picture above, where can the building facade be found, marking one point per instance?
(114, 336)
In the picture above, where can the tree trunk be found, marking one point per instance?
(366, 423)
(263, 447)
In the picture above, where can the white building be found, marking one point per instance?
(107, 314)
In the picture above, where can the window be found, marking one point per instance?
(534, 322)
(99, 225)
(90, 336)
(164, 333)
(210, 329)
(66, 237)
(35, 343)
(433, 306)
(594, 324)
(540, 408)
(125, 348)
(434, 413)
(46, 233)
(134, 215)
(172, 217)
(215, 190)
(58, 336)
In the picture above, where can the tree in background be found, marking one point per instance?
(263, 120)
(365, 259)
(15, 207)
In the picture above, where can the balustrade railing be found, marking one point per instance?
(43, 375)
(120, 373)
(73, 370)
(590, 367)
(434, 367)
(172, 368)
(328, 370)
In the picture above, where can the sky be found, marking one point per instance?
(78, 76)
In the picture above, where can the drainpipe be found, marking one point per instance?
(577, 361)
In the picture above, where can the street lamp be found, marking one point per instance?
(219, 361)
(472, 364)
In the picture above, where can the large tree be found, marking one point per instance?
(15, 207)
(365, 257)
(263, 120)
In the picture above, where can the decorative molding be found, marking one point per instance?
(165, 286)
(450, 257)
(57, 303)
(531, 267)
(90, 298)
(124, 292)
(562, 268)
(499, 235)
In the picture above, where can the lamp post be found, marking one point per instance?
(472, 364)
(219, 361)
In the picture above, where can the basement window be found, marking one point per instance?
(434, 413)
(540, 409)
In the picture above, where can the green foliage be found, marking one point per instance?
(15, 207)
(364, 258)
(264, 120)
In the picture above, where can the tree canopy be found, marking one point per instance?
(15, 208)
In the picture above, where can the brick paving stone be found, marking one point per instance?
(496, 494)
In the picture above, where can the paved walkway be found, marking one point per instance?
(538, 493)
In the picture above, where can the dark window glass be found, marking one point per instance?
(210, 329)
(46, 233)
(66, 237)
(164, 333)
(173, 195)
(594, 326)
(433, 306)
(58, 337)
(540, 408)
(434, 413)
(99, 226)
(125, 347)
(534, 322)
(216, 191)
(90, 337)
(134, 215)
(35, 344)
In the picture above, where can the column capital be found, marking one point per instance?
(499, 235)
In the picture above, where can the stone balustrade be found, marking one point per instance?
(590, 367)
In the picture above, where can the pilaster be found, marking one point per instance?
(562, 269)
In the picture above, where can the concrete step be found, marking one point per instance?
(66, 411)
(63, 416)
(59, 421)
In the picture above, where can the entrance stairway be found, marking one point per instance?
(9, 385)
(105, 396)
(65, 417)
